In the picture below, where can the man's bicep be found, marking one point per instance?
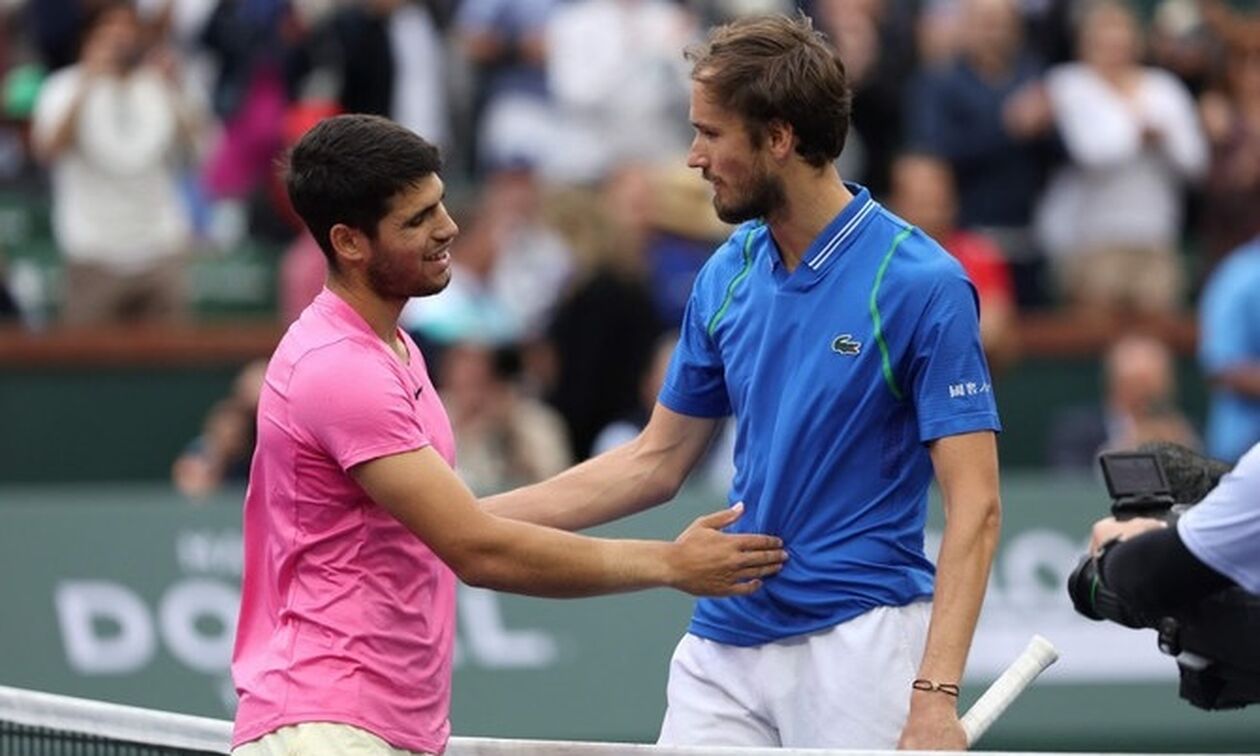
(966, 465)
(678, 440)
(426, 496)
(356, 409)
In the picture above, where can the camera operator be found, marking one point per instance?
(1157, 570)
(1197, 583)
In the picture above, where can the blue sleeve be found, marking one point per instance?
(948, 380)
(1225, 320)
(696, 381)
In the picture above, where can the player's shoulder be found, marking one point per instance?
(731, 259)
(743, 240)
(322, 358)
(911, 257)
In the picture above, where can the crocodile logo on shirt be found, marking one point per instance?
(845, 344)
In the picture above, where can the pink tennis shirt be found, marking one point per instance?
(346, 616)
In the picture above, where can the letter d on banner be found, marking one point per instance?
(82, 606)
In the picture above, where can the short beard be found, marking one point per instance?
(765, 196)
(389, 283)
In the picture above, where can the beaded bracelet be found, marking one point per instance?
(949, 689)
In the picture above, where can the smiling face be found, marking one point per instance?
(735, 164)
(411, 254)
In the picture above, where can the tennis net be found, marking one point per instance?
(44, 724)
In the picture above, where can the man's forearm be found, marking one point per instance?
(966, 555)
(630, 478)
(972, 521)
(543, 562)
(613, 485)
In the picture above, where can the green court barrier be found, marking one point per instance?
(128, 593)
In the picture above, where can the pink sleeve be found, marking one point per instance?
(354, 404)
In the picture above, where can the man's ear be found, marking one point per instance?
(349, 244)
(780, 139)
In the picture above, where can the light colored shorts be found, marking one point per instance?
(95, 294)
(1145, 279)
(846, 687)
(318, 738)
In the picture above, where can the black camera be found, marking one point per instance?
(1214, 641)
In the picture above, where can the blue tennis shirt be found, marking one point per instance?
(837, 374)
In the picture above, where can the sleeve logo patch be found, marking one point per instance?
(969, 388)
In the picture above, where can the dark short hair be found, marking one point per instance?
(348, 168)
(778, 68)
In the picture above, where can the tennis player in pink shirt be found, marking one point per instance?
(356, 527)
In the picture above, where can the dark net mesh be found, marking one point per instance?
(20, 740)
(33, 723)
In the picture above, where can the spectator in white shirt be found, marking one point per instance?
(113, 128)
(619, 81)
(1111, 218)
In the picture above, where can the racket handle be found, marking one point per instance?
(1039, 654)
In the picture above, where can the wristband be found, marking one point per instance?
(949, 689)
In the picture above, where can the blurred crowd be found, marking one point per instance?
(1086, 155)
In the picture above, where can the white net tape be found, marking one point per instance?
(113, 721)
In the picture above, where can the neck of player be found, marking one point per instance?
(814, 197)
(380, 313)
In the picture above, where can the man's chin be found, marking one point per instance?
(733, 215)
(434, 287)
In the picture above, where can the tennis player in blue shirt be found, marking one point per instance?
(846, 345)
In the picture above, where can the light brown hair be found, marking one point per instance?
(778, 68)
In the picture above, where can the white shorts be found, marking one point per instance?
(317, 738)
(846, 687)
